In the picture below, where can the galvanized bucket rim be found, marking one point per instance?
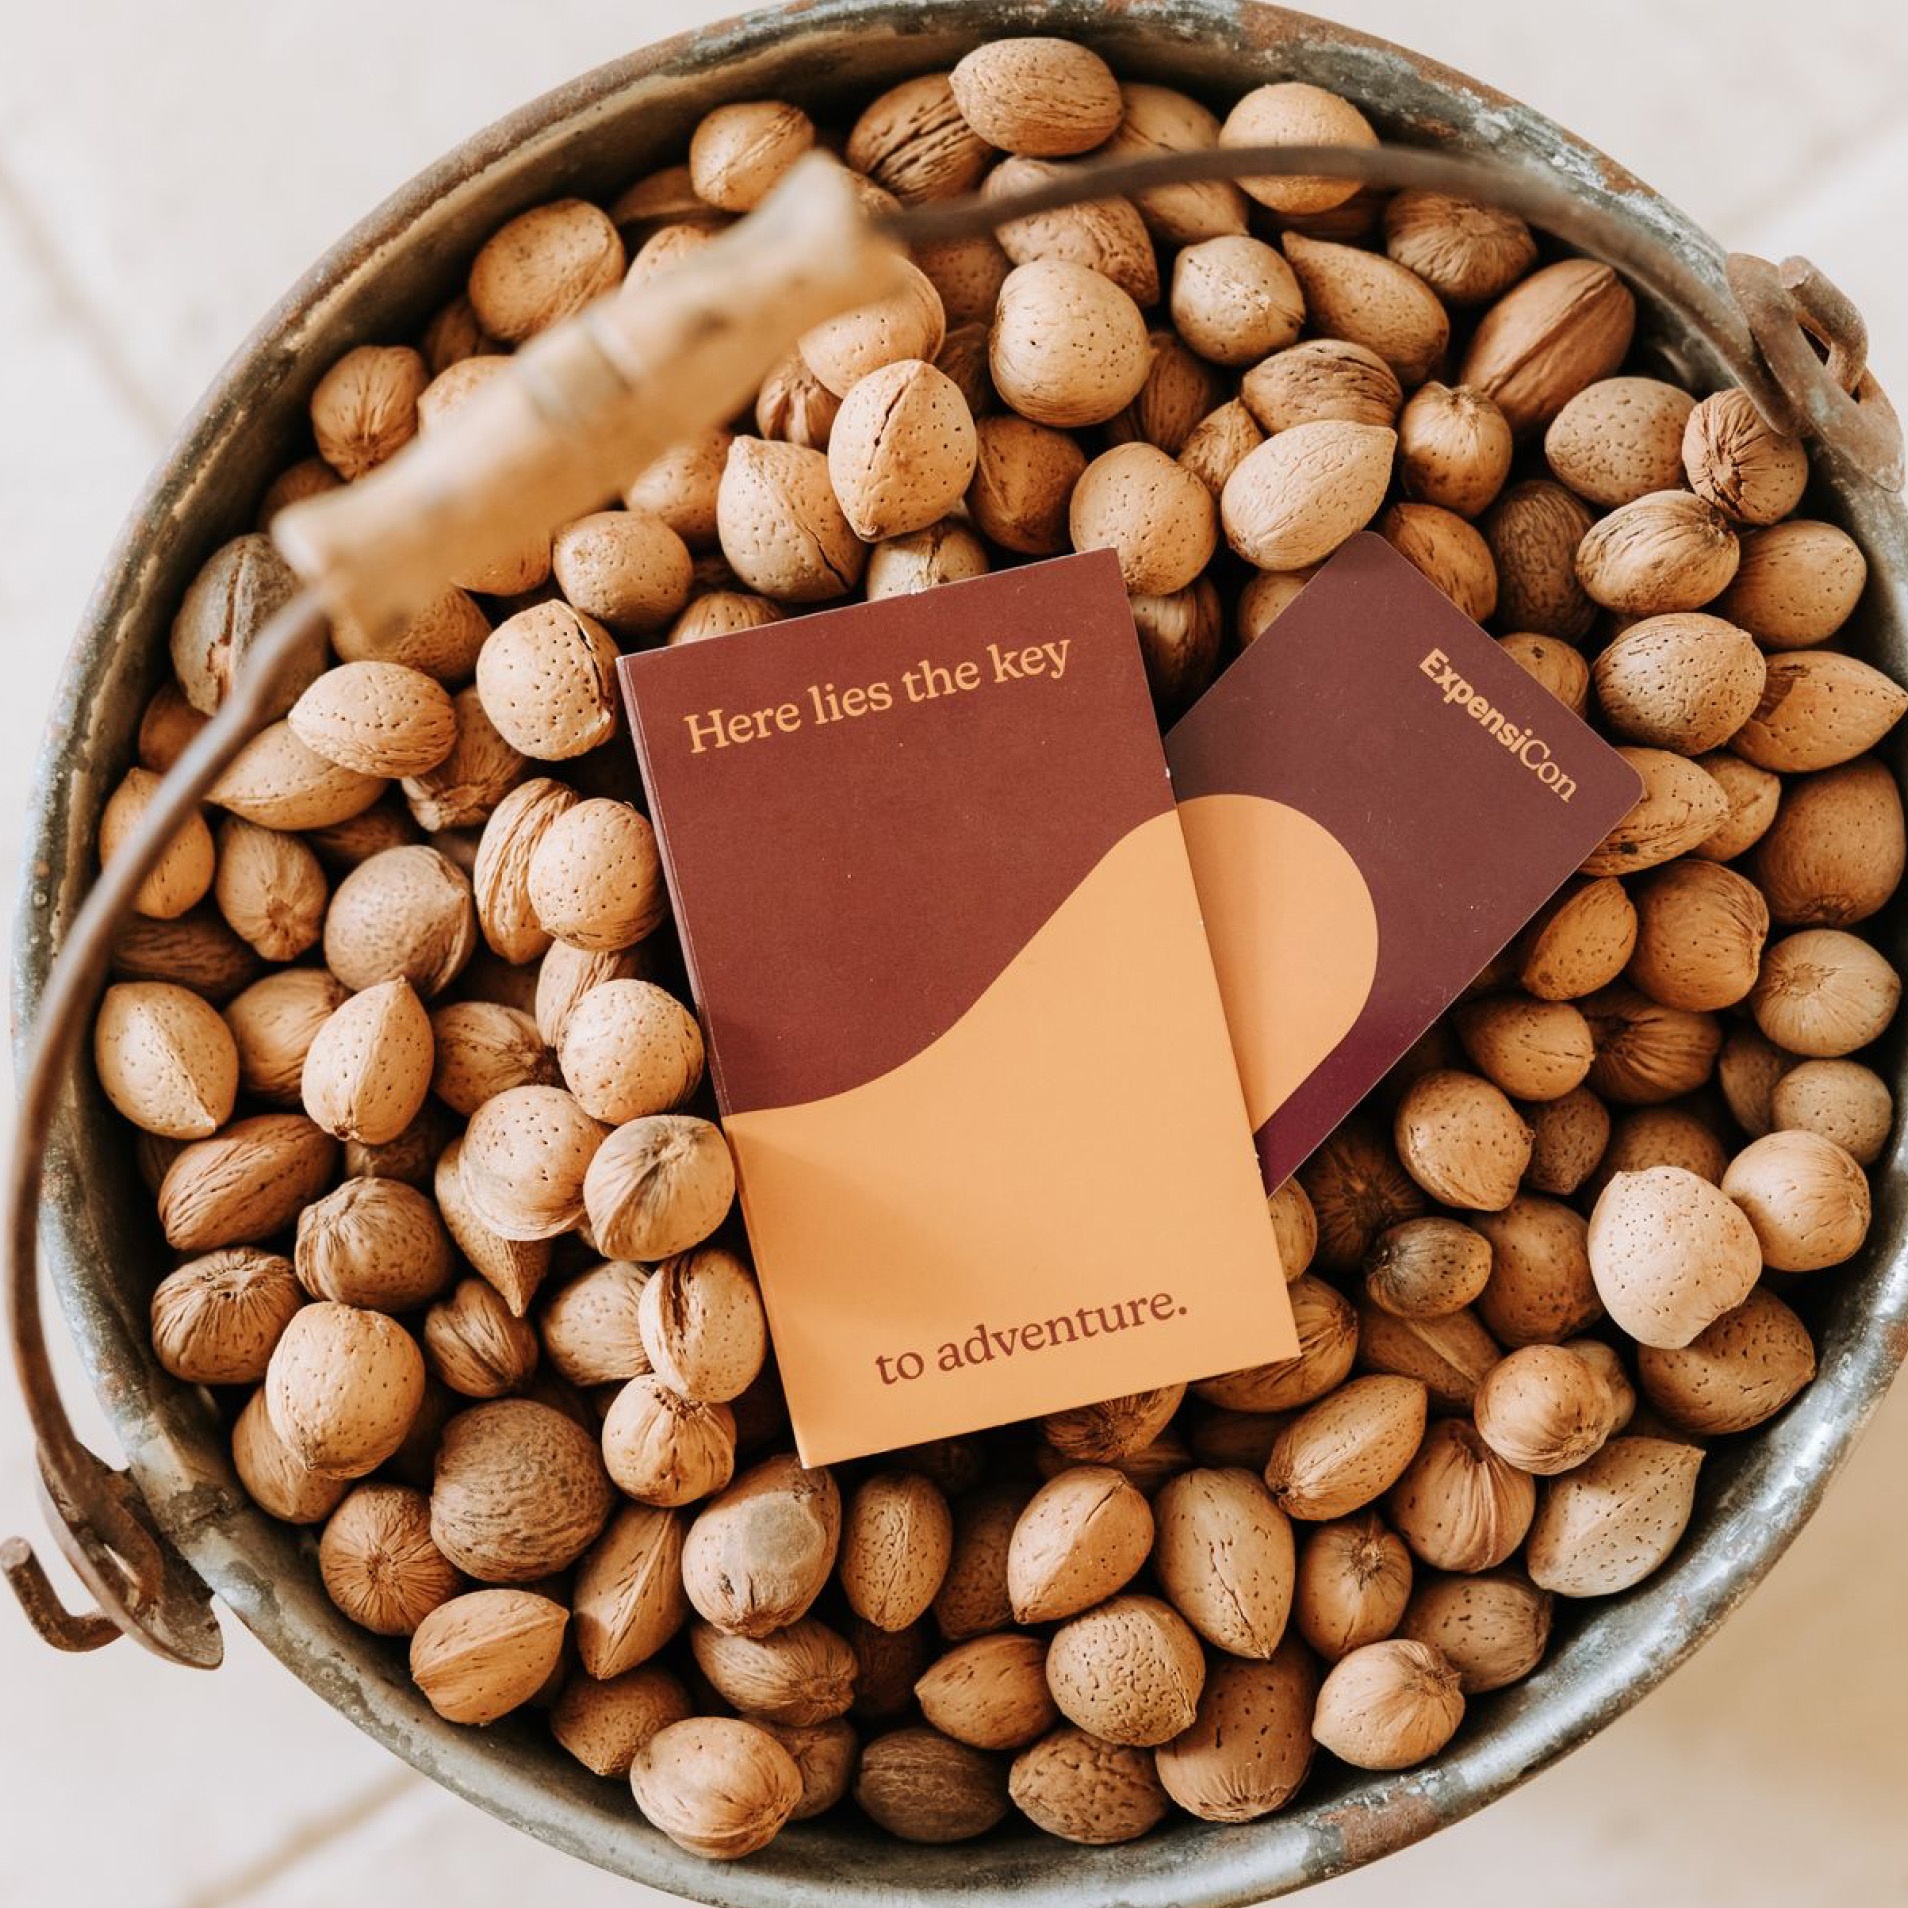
(1620, 1653)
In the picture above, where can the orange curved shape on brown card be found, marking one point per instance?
(1293, 932)
(1075, 1140)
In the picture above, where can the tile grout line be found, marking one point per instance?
(332, 1825)
(88, 324)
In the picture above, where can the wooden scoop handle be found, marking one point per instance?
(589, 403)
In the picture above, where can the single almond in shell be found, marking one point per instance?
(186, 868)
(380, 718)
(1680, 806)
(523, 1162)
(658, 1186)
(1619, 439)
(165, 1059)
(342, 1387)
(1459, 1505)
(1368, 299)
(716, 1786)
(1613, 1520)
(368, 1069)
(1077, 1786)
(1546, 339)
(377, 1243)
(629, 1597)
(1491, 1627)
(1389, 1705)
(1224, 1558)
(605, 1725)
(1668, 550)
(1038, 95)
(1130, 1671)
(481, 1655)
(990, 1692)
(404, 913)
(922, 1786)
(1348, 1449)
(1670, 1253)
(246, 1183)
(270, 887)
(1297, 497)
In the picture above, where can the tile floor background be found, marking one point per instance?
(164, 174)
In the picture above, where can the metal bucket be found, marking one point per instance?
(104, 1248)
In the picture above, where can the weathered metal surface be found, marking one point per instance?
(101, 1242)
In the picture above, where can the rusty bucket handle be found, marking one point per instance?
(586, 406)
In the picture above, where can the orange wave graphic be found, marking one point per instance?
(1294, 937)
(1074, 1147)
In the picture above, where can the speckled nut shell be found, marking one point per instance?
(1296, 498)
(1363, 298)
(368, 1069)
(547, 680)
(1041, 96)
(1130, 1671)
(1069, 348)
(165, 1059)
(630, 1049)
(1670, 1253)
(679, 488)
(500, 876)
(1235, 300)
(1158, 517)
(1806, 1197)
(442, 639)
(1684, 681)
(781, 525)
(914, 141)
(543, 266)
(342, 1388)
(1107, 235)
(659, 1186)
(1749, 471)
(739, 151)
(463, 790)
(1024, 476)
(1619, 439)
(909, 323)
(523, 1162)
(902, 452)
(627, 569)
(1454, 449)
(1466, 252)
(1797, 584)
(1291, 113)
(1666, 551)
(406, 913)
(186, 867)
(595, 877)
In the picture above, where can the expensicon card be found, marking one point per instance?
(963, 1026)
(1376, 798)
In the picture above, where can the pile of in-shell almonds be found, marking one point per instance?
(403, 1023)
